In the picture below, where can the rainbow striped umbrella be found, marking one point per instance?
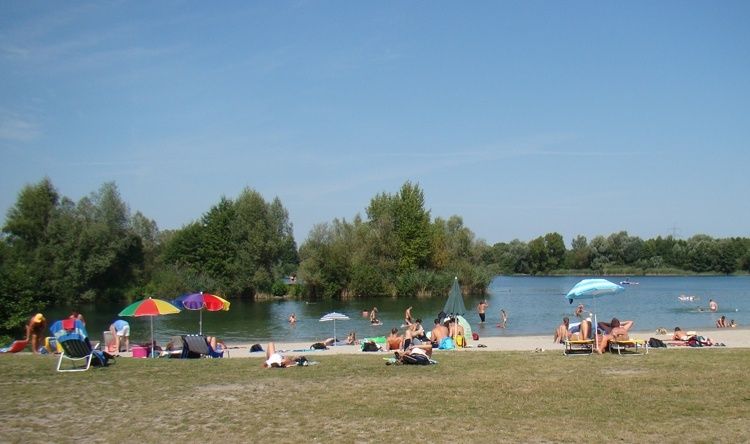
(150, 307)
(199, 301)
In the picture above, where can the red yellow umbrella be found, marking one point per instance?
(150, 307)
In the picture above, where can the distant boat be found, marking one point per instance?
(684, 298)
(628, 282)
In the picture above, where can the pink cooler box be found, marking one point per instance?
(139, 351)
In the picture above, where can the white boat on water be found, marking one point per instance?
(684, 298)
(628, 282)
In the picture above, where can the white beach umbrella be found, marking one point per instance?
(334, 316)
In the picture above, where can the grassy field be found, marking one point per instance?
(668, 395)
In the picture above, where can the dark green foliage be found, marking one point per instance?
(58, 252)
(279, 289)
(396, 252)
(620, 253)
(239, 248)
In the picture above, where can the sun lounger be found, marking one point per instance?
(578, 347)
(195, 346)
(630, 346)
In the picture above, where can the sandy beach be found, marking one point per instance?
(731, 337)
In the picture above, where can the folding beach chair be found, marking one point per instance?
(196, 346)
(579, 347)
(629, 346)
(72, 337)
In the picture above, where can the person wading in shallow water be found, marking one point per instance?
(503, 319)
(482, 310)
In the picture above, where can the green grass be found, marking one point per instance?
(668, 395)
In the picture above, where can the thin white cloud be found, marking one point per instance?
(15, 128)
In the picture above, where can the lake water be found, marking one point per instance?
(535, 305)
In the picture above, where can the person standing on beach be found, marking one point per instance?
(482, 309)
(712, 305)
(35, 331)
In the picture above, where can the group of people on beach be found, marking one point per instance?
(614, 330)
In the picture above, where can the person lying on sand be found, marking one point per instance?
(277, 360)
(680, 335)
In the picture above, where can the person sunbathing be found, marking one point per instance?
(439, 332)
(277, 360)
(584, 331)
(562, 333)
(418, 354)
(617, 332)
(607, 326)
(394, 341)
(680, 335)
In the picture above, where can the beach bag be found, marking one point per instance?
(369, 347)
(319, 346)
(475, 336)
(656, 343)
(460, 341)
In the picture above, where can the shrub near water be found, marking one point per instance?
(479, 397)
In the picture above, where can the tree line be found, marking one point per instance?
(54, 251)
(620, 253)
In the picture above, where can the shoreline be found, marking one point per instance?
(732, 338)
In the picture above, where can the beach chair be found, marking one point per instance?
(15, 347)
(174, 348)
(72, 338)
(629, 346)
(196, 346)
(579, 347)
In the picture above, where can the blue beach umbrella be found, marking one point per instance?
(592, 289)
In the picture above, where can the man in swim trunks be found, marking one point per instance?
(482, 310)
(439, 331)
(394, 341)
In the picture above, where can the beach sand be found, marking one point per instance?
(731, 337)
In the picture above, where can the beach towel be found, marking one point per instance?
(15, 347)
(446, 344)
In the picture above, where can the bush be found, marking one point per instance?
(279, 289)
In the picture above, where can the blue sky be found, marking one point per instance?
(524, 118)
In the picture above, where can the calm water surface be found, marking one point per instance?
(535, 305)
